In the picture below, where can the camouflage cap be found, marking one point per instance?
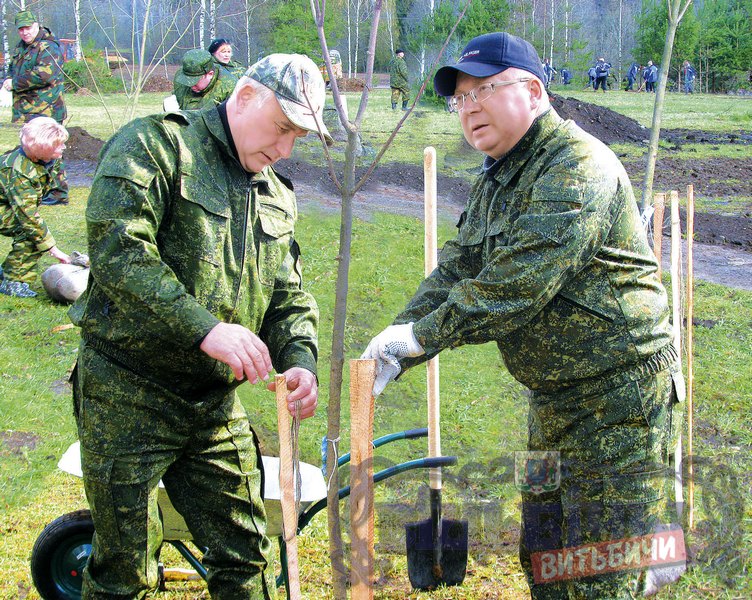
(25, 18)
(298, 87)
(196, 64)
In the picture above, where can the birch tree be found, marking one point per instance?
(676, 10)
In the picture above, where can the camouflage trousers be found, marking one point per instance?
(21, 262)
(135, 432)
(615, 445)
(398, 93)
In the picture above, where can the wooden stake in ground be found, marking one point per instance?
(287, 487)
(362, 377)
(689, 345)
(676, 287)
(659, 204)
(431, 260)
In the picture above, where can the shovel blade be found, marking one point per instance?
(420, 554)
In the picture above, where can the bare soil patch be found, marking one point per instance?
(18, 442)
(398, 188)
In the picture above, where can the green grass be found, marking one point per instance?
(483, 409)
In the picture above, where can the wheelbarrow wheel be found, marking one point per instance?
(60, 554)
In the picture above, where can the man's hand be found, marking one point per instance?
(240, 349)
(61, 256)
(395, 342)
(8, 83)
(301, 385)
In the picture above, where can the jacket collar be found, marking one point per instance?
(223, 138)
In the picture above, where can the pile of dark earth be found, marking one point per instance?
(712, 177)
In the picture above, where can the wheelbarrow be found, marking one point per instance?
(62, 549)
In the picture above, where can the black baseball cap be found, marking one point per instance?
(488, 55)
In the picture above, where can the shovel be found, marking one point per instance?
(436, 547)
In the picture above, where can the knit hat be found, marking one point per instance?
(217, 43)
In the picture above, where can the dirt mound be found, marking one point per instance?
(158, 83)
(351, 84)
(81, 145)
(608, 126)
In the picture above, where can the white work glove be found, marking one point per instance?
(395, 342)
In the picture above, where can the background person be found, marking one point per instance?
(195, 286)
(591, 78)
(36, 77)
(221, 51)
(650, 76)
(25, 178)
(689, 74)
(398, 80)
(566, 76)
(634, 69)
(549, 71)
(602, 69)
(551, 262)
(198, 82)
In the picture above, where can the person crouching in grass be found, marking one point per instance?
(25, 178)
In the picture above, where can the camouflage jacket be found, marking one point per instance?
(37, 73)
(231, 69)
(217, 91)
(398, 74)
(550, 262)
(181, 237)
(23, 183)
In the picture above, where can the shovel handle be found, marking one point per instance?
(287, 488)
(432, 374)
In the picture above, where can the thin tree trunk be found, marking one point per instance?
(348, 187)
(675, 13)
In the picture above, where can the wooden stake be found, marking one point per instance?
(287, 489)
(362, 377)
(659, 205)
(690, 343)
(676, 301)
(431, 260)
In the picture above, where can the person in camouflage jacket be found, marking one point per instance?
(24, 180)
(195, 286)
(36, 80)
(199, 82)
(221, 51)
(398, 79)
(552, 264)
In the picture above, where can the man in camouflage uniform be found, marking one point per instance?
(36, 80)
(195, 286)
(25, 178)
(552, 264)
(398, 80)
(199, 83)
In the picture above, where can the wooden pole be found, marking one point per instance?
(690, 346)
(659, 205)
(287, 489)
(431, 260)
(676, 302)
(362, 377)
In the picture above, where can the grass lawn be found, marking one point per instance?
(483, 411)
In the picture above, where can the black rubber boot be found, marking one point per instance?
(404, 105)
(394, 106)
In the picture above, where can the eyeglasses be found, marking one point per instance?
(481, 93)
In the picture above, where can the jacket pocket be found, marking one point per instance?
(277, 227)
